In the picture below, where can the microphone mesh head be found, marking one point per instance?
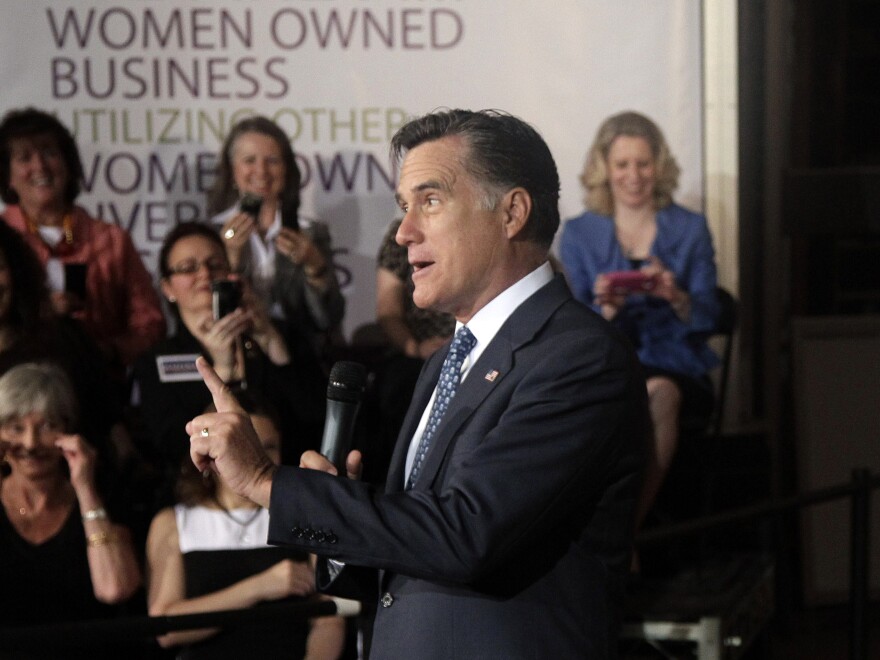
(347, 381)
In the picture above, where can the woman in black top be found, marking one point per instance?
(244, 346)
(62, 558)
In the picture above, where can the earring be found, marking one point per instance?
(172, 299)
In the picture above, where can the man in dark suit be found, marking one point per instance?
(506, 524)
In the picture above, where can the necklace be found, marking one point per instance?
(66, 227)
(635, 239)
(30, 513)
(243, 523)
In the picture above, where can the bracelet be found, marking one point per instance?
(95, 514)
(101, 538)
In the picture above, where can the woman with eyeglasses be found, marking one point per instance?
(244, 346)
(63, 555)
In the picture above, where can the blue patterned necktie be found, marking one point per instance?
(450, 375)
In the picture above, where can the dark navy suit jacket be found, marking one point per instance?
(516, 538)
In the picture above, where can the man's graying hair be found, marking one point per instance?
(505, 153)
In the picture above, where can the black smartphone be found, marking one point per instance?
(251, 204)
(75, 279)
(225, 296)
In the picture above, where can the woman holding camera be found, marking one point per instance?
(670, 308)
(244, 346)
(286, 259)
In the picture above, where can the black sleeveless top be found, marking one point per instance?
(47, 583)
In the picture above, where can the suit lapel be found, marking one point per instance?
(495, 363)
(498, 358)
(421, 395)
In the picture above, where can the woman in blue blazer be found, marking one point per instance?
(648, 266)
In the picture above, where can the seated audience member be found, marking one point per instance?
(287, 259)
(30, 331)
(632, 224)
(244, 346)
(94, 271)
(413, 333)
(209, 553)
(62, 558)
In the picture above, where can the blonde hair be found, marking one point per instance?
(595, 174)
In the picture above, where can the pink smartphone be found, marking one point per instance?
(631, 281)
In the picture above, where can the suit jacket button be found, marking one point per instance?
(319, 536)
(297, 532)
(331, 538)
(387, 599)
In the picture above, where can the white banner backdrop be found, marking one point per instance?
(150, 88)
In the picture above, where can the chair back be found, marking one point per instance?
(700, 425)
(725, 329)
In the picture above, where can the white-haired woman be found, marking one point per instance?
(62, 558)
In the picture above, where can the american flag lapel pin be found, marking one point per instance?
(491, 376)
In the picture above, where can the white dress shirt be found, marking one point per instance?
(262, 258)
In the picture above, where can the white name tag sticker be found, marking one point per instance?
(178, 368)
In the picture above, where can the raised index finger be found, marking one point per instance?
(224, 400)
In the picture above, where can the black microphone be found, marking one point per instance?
(347, 382)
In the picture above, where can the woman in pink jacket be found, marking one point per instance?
(95, 272)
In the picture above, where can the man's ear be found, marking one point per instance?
(517, 206)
